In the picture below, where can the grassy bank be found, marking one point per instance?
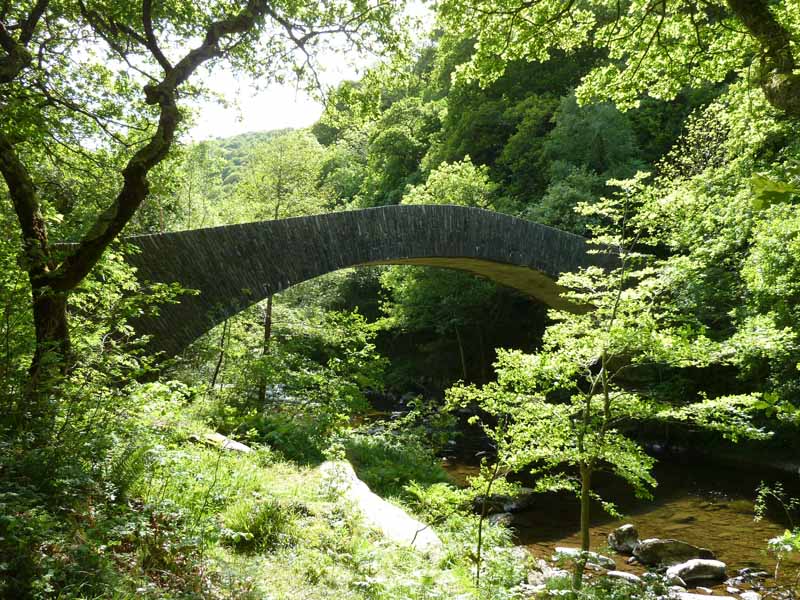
(165, 515)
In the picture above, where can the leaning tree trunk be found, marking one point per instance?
(262, 382)
(220, 356)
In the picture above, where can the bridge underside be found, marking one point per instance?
(235, 266)
(523, 279)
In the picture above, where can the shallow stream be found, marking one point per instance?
(706, 505)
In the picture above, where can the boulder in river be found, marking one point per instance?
(690, 596)
(591, 557)
(502, 503)
(698, 569)
(654, 551)
(625, 576)
(624, 539)
(506, 519)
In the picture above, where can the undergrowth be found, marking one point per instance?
(158, 513)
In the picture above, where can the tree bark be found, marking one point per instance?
(221, 356)
(586, 486)
(262, 382)
(51, 359)
(461, 354)
(778, 77)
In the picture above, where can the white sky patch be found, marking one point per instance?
(249, 108)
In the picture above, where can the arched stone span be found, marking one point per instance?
(235, 266)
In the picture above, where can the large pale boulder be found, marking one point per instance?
(654, 551)
(218, 440)
(392, 521)
(698, 569)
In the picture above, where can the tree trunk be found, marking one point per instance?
(484, 362)
(262, 383)
(461, 354)
(221, 355)
(51, 358)
(779, 81)
(586, 486)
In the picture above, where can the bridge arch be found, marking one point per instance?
(235, 266)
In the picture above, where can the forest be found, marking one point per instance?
(395, 431)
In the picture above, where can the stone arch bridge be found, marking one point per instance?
(235, 266)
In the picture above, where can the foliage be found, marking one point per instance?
(461, 183)
(560, 412)
(319, 366)
(655, 49)
(606, 588)
(259, 525)
(390, 456)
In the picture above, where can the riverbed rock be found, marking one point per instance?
(666, 552)
(506, 519)
(624, 539)
(592, 557)
(543, 572)
(392, 521)
(217, 440)
(690, 596)
(750, 595)
(675, 581)
(698, 569)
(703, 590)
(625, 576)
(502, 503)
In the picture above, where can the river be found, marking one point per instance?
(701, 503)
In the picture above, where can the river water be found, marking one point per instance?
(704, 504)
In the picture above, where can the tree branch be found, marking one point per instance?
(135, 185)
(29, 26)
(152, 43)
(779, 81)
(22, 191)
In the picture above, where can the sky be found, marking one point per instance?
(277, 106)
(249, 109)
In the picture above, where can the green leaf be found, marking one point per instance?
(767, 192)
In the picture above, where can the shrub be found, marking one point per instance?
(261, 524)
(387, 461)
